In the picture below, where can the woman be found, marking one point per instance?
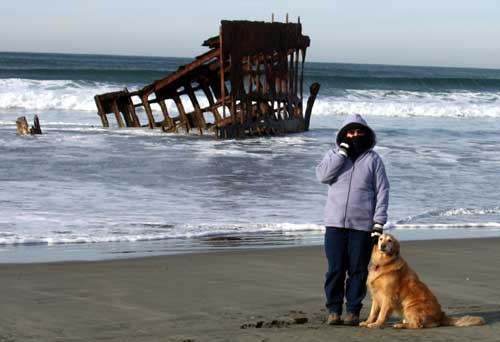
(356, 206)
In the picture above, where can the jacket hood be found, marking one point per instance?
(350, 122)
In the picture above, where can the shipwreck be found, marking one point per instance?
(249, 83)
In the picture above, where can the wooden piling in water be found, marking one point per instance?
(23, 128)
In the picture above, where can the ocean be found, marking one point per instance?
(83, 192)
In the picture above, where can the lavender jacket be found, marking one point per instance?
(358, 193)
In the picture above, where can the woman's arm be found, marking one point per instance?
(330, 166)
(381, 193)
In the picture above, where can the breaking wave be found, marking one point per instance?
(137, 232)
(39, 95)
(42, 95)
(445, 226)
(451, 212)
(149, 232)
(460, 104)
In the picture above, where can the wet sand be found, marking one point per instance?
(222, 296)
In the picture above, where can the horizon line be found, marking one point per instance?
(192, 58)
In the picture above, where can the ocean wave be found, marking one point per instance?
(470, 211)
(446, 226)
(140, 232)
(410, 104)
(69, 95)
(150, 232)
(449, 212)
(50, 94)
(119, 75)
(415, 83)
(66, 95)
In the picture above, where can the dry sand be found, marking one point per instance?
(209, 297)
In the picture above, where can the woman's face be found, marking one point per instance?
(356, 132)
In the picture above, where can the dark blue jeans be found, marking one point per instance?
(347, 250)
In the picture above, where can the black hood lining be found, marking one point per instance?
(343, 132)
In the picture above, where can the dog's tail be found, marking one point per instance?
(465, 321)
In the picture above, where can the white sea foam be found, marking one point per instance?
(470, 211)
(445, 226)
(50, 94)
(409, 104)
(39, 95)
(447, 213)
(147, 232)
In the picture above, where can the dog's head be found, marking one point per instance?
(387, 244)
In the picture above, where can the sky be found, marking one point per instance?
(459, 33)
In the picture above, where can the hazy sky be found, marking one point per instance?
(418, 32)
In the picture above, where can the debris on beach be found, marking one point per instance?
(249, 83)
(22, 126)
(295, 317)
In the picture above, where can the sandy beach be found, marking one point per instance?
(224, 296)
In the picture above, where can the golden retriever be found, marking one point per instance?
(396, 288)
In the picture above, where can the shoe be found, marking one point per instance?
(334, 319)
(351, 320)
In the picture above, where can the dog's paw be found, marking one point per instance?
(363, 324)
(373, 325)
(398, 326)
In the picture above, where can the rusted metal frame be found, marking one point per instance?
(123, 105)
(117, 113)
(212, 107)
(204, 55)
(149, 111)
(129, 122)
(265, 87)
(298, 109)
(256, 72)
(268, 82)
(271, 76)
(214, 85)
(183, 92)
(184, 70)
(101, 111)
(314, 89)
(222, 82)
(279, 85)
(200, 120)
(258, 84)
(131, 112)
(292, 81)
(252, 89)
(249, 72)
(285, 85)
(167, 119)
(182, 112)
(303, 53)
(291, 69)
(244, 104)
(246, 112)
(232, 105)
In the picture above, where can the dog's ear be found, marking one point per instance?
(395, 248)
